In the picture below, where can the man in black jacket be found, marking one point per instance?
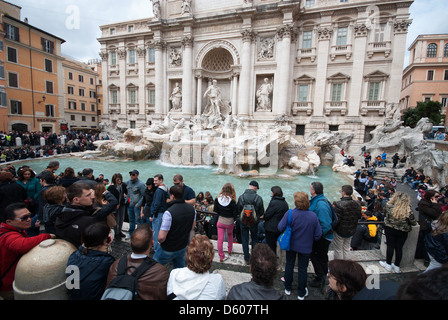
(76, 216)
(249, 223)
(349, 211)
(174, 234)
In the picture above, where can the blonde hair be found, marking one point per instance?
(442, 224)
(401, 205)
(228, 190)
(200, 253)
(301, 201)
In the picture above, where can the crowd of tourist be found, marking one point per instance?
(164, 230)
(17, 145)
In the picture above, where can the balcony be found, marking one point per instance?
(306, 53)
(377, 106)
(114, 108)
(150, 108)
(336, 106)
(379, 47)
(132, 109)
(341, 50)
(299, 107)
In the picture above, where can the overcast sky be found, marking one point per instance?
(55, 16)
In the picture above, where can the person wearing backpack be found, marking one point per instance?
(250, 207)
(150, 285)
(349, 212)
(319, 256)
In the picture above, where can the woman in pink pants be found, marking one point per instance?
(225, 207)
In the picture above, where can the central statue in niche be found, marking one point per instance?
(214, 101)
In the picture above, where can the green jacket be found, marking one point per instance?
(399, 224)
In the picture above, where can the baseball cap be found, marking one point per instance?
(134, 172)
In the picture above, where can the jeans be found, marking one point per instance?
(177, 258)
(222, 229)
(156, 222)
(319, 257)
(134, 218)
(245, 239)
(302, 267)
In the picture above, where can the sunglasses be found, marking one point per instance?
(24, 218)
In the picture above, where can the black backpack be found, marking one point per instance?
(125, 286)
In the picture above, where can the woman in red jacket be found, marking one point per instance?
(14, 243)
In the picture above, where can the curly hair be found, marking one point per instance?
(200, 253)
(263, 265)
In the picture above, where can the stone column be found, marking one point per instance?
(235, 94)
(324, 37)
(199, 95)
(159, 45)
(244, 86)
(284, 70)
(398, 52)
(357, 80)
(187, 78)
(121, 53)
(105, 69)
(141, 53)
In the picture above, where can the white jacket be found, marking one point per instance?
(189, 285)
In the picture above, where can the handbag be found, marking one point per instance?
(284, 240)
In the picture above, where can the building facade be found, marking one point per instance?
(81, 107)
(327, 65)
(33, 74)
(426, 76)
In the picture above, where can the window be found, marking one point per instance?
(12, 54)
(152, 55)
(309, 3)
(16, 107)
(81, 92)
(72, 117)
(49, 86)
(91, 81)
(333, 128)
(72, 105)
(93, 119)
(374, 91)
(70, 76)
(83, 106)
(432, 51)
(112, 31)
(307, 39)
(131, 28)
(3, 100)
(1, 45)
(344, 1)
(49, 110)
(114, 97)
(445, 51)
(342, 36)
(152, 96)
(303, 93)
(13, 80)
(80, 78)
(12, 32)
(430, 76)
(2, 70)
(92, 107)
(132, 124)
(47, 45)
(92, 94)
(379, 32)
(336, 92)
(444, 102)
(132, 56)
(113, 58)
(83, 118)
(49, 65)
(132, 96)
(300, 130)
(70, 90)
(445, 76)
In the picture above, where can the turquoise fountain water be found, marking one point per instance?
(202, 178)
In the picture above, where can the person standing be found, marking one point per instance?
(174, 235)
(272, 216)
(251, 207)
(395, 160)
(119, 190)
(189, 195)
(305, 230)
(158, 206)
(398, 222)
(14, 243)
(349, 212)
(136, 189)
(225, 207)
(319, 255)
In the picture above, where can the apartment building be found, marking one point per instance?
(81, 105)
(426, 76)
